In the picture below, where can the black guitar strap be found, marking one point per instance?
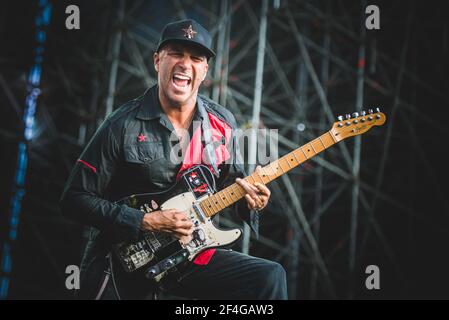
(207, 134)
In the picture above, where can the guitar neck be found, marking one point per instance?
(234, 192)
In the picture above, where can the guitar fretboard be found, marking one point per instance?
(231, 194)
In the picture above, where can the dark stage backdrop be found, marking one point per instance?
(406, 233)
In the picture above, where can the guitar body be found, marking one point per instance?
(151, 248)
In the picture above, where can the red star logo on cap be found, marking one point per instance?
(189, 32)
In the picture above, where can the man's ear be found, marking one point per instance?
(205, 72)
(156, 59)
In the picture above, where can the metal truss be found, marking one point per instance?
(287, 65)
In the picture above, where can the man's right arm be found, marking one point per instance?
(83, 199)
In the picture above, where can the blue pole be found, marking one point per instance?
(34, 77)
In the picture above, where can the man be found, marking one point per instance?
(132, 153)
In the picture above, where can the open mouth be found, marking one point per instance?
(181, 80)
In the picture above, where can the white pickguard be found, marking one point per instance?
(213, 237)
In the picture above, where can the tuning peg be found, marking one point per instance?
(363, 113)
(370, 111)
(340, 118)
(348, 116)
(355, 114)
(377, 111)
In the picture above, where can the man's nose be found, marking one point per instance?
(184, 61)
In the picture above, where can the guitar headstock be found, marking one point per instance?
(355, 124)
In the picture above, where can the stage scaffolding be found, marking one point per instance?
(293, 66)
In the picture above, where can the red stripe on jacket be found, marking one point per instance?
(88, 165)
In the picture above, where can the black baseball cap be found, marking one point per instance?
(187, 31)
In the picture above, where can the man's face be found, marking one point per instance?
(181, 69)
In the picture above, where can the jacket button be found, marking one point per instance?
(146, 159)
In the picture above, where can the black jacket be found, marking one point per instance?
(115, 164)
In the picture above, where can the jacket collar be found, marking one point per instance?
(150, 108)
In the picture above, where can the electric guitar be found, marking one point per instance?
(155, 253)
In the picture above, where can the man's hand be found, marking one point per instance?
(172, 221)
(257, 195)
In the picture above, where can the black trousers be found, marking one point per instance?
(229, 275)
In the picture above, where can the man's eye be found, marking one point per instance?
(197, 59)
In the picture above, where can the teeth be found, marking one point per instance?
(181, 77)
